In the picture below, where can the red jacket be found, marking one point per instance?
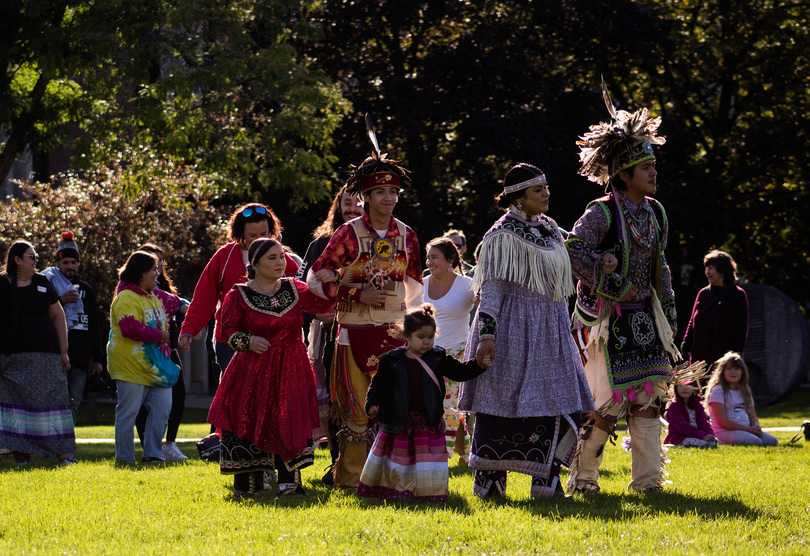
(223, 271)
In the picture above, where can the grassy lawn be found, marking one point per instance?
(732, 500)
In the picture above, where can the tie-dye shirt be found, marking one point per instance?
(135, 352)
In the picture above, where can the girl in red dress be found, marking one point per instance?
(265, 405)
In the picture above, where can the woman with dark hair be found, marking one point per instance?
(138, 355)
(527, 406)
(345, 206)
(227, 268)
(35, 416)
(265, 406)
(321, 329)
(169, 451)
(452, 296)
(719, 321)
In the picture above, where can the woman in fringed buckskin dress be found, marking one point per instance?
(527, 406)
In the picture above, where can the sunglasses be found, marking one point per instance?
(258, 210)
(34, 257)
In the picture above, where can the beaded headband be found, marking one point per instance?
(537, 180)
(381, 178)
(259, 248)
(637, 153)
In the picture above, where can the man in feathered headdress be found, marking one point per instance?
(624, 296)
(372, 269)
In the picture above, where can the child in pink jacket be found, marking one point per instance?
(688, 424)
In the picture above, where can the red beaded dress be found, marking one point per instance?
(267, 401)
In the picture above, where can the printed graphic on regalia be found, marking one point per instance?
(382, 267)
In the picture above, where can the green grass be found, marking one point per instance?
(733, 499)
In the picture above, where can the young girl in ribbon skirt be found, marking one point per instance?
(409, 457)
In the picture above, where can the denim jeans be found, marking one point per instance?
(76, 379)
(224, 354)
(131, 396)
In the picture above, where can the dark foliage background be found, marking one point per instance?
(266, 100)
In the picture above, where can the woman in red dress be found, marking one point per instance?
(265, 406)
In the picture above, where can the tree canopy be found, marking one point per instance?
(267, 99)
(465, 89)
(216, 85)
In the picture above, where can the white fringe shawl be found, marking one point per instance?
(505, 256)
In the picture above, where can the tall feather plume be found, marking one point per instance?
(376, 154)
(377, 162)
(608, 100)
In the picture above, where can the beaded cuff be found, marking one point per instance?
(613, 286)
(240, 341)
(486, 326)
(668, 306)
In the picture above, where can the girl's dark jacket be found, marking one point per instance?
(389, 387)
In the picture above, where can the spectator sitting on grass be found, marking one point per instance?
(688, 424)
(731, 404)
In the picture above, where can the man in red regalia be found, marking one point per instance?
(372, 269)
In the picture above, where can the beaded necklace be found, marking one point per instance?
(642, 230)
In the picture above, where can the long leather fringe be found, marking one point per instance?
(506, 257)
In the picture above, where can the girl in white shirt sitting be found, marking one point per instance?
(731, 404)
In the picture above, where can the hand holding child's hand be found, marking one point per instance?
(486, 348)
(325, 318)
(185, 341)
(487, 361)
(372, 410)
(325, 275)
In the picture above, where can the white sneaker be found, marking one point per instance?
(170, 452)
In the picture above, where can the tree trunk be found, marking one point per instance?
(21, 128)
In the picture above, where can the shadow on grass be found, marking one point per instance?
(318, 494)
(637, 505)
(460, 471)
(463, 471)
(602, 507)
(106, 451)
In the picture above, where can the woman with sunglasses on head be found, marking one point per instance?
(226, 269)
(35, 416)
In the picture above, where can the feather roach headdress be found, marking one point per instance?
(376, 170)
(684, 373)
(609, 148)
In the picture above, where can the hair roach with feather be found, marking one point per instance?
(610, 147)
(377, 170)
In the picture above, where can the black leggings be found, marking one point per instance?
(178, 405)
